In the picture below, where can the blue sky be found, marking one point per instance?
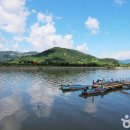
(100, 28)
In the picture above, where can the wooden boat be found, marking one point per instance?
(93, 91)
(114, 86)
(73, 87)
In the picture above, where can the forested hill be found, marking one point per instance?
(63, 57)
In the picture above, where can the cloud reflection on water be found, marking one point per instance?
(90, 108)
(11, 112)
(42, 98)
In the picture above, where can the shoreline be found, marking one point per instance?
(42, 67)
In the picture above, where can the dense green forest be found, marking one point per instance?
(62, 57)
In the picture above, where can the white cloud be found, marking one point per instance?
(44, 18)
(43, 35)
(82, 48)
(118, 55)
(13, 15)
(34, 11)
(6, 45)
(92, 24)
(19, 38)
(119, 2)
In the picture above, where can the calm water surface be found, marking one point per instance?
(31, 100)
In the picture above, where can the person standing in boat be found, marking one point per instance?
(98, 81)
(93, 83)
(112, 80)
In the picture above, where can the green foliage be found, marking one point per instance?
(110, 62)
(64, 57)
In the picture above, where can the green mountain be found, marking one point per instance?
(8, 55)
(63, 57)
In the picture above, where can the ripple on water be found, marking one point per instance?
(32, 100)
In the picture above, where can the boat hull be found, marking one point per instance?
(94, 91)
(73, 87)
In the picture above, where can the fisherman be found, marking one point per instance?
(112, 80)
(93, 83)
(98, 81)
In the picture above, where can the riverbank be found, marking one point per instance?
(36, 68)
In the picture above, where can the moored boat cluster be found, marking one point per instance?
(99, 87)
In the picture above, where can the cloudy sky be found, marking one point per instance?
(97, 27)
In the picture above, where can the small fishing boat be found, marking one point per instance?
(73, 87)
(92, 91)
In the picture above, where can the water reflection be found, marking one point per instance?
(90, 108)
(127, 93)
(31, 100)
(42, 96)
(13, 101)
(14, 121)
(11, 112)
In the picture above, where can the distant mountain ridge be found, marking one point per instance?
(127, 61)
(8, 55)
(63, 57)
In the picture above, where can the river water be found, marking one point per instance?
(32, 100)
